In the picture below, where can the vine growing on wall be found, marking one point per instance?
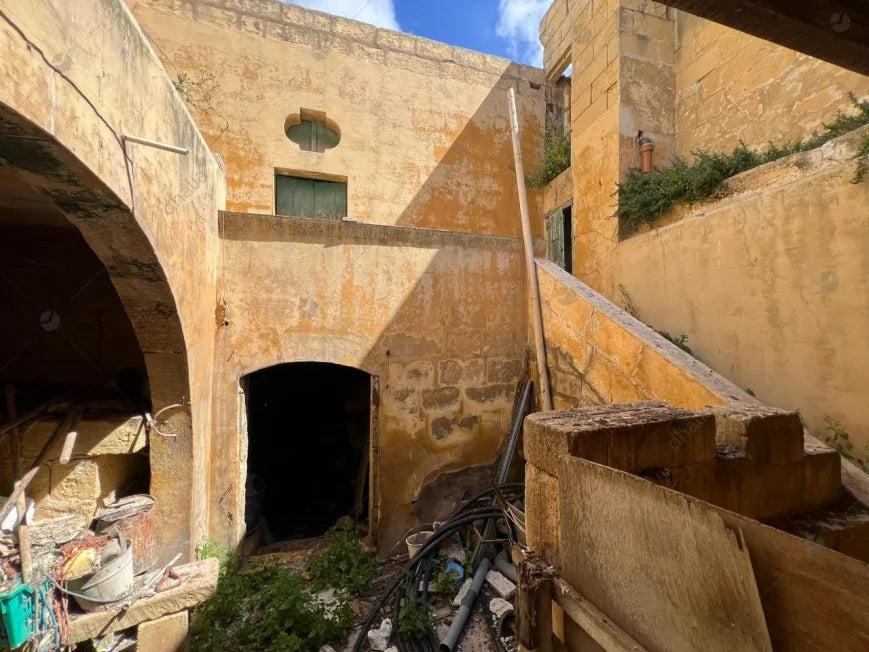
(642, 198)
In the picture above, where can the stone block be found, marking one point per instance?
(631, 437)
(445, 427)
(501, 585)
(769, 436)
(441, 398)
(419, 373)
(822, 476)
(491, 393)
(166, 634)
(503, 371)
(466, 586)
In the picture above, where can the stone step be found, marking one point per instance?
(732, 480)
(844, 528)
(630, 437)
(768, 435)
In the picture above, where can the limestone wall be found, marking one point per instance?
(597, 353)
(74, 77)
(733, 87)
(439, 317)
(769, 284)
(424, 126)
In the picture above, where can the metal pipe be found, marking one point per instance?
(448, 644)
(531, 267)
(153, 143)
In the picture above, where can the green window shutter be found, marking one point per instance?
(313, 198)
(330, 200)
(294, 196)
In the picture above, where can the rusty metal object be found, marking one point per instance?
(134, 518)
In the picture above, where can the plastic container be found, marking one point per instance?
(416, 541)
(16, 616)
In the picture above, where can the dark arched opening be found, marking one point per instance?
(307, 431)
(65, 333)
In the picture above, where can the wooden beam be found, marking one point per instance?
(592, 621)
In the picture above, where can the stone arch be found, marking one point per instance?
(111, 230)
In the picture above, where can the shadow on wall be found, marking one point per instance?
(440, 317)
(474, 181)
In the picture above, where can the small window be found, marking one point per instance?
(313, 198)
(559, 236)
(312, 131)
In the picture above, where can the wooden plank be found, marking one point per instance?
(667, 570)
(199, 581)
(593, 622)
(815, 599)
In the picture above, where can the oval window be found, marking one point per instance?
(312, 131)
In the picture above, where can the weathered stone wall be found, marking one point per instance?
(425, 137)
(769, 284)
(767, 289)
(733, 87)
(73, 78)
(439, 317)
(597, 353)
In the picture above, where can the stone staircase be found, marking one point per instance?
(747, 458)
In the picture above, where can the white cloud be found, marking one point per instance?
(376, 12)
(519, 25)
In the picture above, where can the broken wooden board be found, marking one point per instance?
(199, 581)
(814, 598)
(665, 568)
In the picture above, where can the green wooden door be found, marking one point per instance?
(555, 237)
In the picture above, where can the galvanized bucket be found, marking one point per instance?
(112, 582)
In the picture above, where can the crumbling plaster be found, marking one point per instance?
(73, 78)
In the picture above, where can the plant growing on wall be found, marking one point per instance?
(642, 198)
(840, 439)
(554, 159)
(197, 89)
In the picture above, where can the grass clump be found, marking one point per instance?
(840, 439)
(415, 618)
(554, 159)
(642, 198)
(344, 565)
(273, 608)
(267, 610)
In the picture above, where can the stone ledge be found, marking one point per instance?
(199, 581)
(631, 437)
(258, 227)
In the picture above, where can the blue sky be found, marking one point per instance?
(507, 28)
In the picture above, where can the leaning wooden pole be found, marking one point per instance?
(531, 268)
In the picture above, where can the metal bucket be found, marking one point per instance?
(136, 520)
(110, 583)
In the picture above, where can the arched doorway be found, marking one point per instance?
(90, 306)
(308, 434)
